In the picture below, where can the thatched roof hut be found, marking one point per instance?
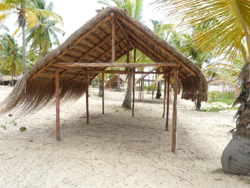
(92, 44)
(8, 78)
(113, 81)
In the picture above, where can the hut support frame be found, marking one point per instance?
(57, 104)
(165, 93)
(174, 120)
(103, 93)
(133, 105)
(167, 113)
(87, 95)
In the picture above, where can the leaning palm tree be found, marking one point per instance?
(228, 30)
(28, 14)
(41, 35)
(10, 56)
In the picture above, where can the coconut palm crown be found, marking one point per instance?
(26, 13)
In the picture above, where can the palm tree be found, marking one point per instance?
(10, 56)
(27, 14)
(41, 35)
(227, 33)
(134, 8)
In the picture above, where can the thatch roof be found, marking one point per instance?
(7, 78)
(92, 44)
(112, 82)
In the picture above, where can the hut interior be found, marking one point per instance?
(65, 73)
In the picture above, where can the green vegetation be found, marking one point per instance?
(217, 108)
(216, 96)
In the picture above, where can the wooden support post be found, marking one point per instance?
(103, 93)
(113, 38)
(174, 120)
(167, 115)
(142, 89)
(164, 98)
(133, 105)
(87, 95)
(57, 104)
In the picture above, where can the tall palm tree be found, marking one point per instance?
(228, 34)
(41, 35)
(134, 8)
(10, 56)
(28, 14)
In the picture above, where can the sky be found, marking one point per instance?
(78, 12)
(75, 13)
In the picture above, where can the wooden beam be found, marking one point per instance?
(103, 93)
(76, 75)
(113, 38)
(165, 93)
(124, 32)
(138, 40)
(174, 120)
(98, 45)
(124, 72)
(155, 59)
(167, 115)
(87, 95)
(109, 50)
(133, 105)
(99, 65)
(63, 72)
(155, 43)
(57, 104)
(71, 46)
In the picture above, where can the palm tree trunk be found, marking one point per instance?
(24, 50)
(12, 80)
(128, 98)
(158, 93)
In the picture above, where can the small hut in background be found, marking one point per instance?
(7, 80)
(112, 83)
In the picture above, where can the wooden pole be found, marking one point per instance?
(174, 120)
(133, 105)
(165, 92)
(113, 39)
(57, 104)
(102, 93)
(70, 65)
(167, 115)
(142, 90)
(87, 95)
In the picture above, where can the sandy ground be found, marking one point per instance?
(115, 150)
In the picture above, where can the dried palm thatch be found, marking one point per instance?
(92, 44)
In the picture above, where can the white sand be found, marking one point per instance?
(115, 150)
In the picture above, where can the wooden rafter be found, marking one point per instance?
(155, 43)
(108, 51)
(77, 75)
(72, 45)
(98, 45)
(124, 32)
